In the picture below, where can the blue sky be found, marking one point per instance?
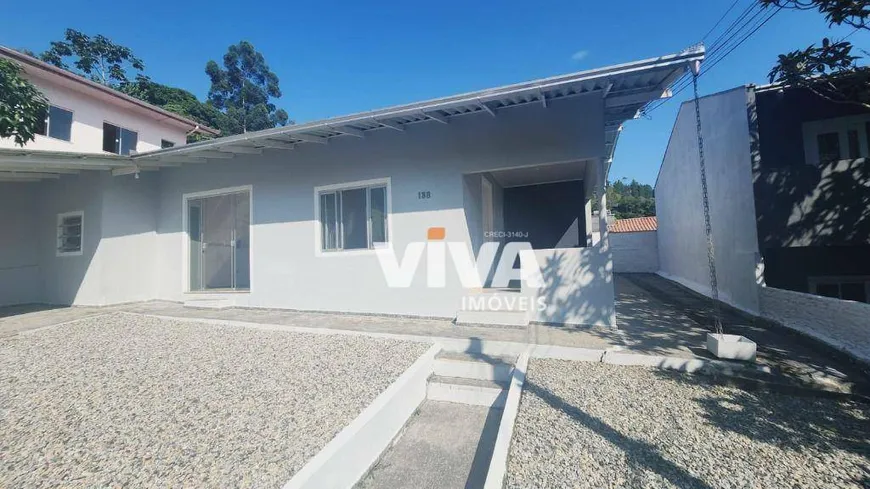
(347, 56)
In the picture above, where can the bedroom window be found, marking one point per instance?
(57, 124)
(119, 140)
(353, 217)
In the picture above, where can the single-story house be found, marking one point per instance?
(294, 217)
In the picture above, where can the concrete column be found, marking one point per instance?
(600, 190)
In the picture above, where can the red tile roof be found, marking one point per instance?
(633, 225)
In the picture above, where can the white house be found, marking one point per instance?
(295, 217)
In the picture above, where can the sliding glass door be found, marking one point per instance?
(219, 227)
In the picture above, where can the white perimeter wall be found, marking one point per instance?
(286, 271)
(681, 237)
(844, 325)
(19, 258)
(635, 252)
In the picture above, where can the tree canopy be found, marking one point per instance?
(629, 200)
(244, 88)
(97, 58)
(22, 106)
(829, 69)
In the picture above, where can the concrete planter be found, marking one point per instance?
(731, 347)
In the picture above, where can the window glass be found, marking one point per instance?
(128, 141)
(378, 204)
(853, 291)
(854, 145)
(42, 125)
(59, 123)
(829, 147)
(111, 138)
(166, 144)
(70, 234)
(353, 219)
(828, 290)
(328, 222)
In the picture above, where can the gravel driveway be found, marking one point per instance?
(130, 401)
(597, 425)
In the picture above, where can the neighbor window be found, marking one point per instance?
(845, 288)
(832, 140)
(118, 140)
(70, 229)
(57, 124)
(353, 218)
(166, 144)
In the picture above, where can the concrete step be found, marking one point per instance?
(210, 303)
(474, 392)
(474, 366)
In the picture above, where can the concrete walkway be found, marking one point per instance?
(445, 446)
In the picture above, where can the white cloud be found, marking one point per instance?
(580, 55)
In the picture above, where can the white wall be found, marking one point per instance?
(578, 287)
(681, 237)
(285, 270)
(844, 325)
(89, 113)
(635, 252)
(73, 279)
(19, 258)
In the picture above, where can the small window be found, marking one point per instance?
(166, 144)
(57, 124)
(353, 218)
(70, 229)
(119, 140)
(829, 147)
(845, 288)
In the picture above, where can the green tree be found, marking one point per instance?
(181, 102)
(97, 58)
(629, 200)
(22, 106)
(829, 69)
(243, 89)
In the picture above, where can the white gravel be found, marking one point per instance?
(597, 425)
(129, 401)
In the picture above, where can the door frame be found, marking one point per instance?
(185, 236)
(487, 209)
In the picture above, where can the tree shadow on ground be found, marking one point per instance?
(796, 423)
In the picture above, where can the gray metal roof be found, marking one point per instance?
(626, 89)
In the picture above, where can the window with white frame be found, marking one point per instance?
(57, 124)
(845, 288)
(831, 140)
(353, 217)
(70, 231)
(119, 140)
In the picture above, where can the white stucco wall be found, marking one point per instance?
(578, 287)
(19, 258)
(844, 325)
(285, 270)
(635, 252)
(681, 237)
(89, 113)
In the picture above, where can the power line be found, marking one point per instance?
(713, 61)
(719, 21)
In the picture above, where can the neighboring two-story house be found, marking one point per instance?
(88, 117)
(789, 195)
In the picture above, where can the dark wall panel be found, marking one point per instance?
(545, 212)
